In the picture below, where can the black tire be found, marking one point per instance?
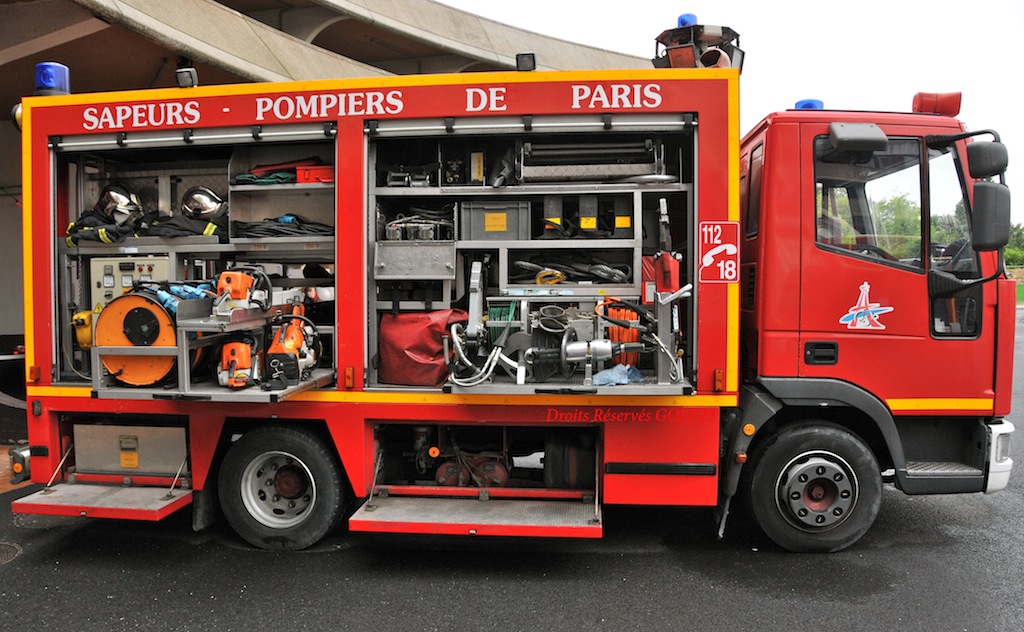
(281, 488)
(814, 488)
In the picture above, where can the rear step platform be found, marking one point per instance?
(470, 516)
(104, 501)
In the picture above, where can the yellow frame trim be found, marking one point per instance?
(731, 75)
(732, 333)
(402, 81)
(26, 239)
(377, 397)
(940, 403)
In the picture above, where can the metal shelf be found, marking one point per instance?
(213, 392)
(312, 248)
(194, 316)
(505, 385)
(312, 245)
(533, 189)
(544, 244)
(285, 187)
(146, 245)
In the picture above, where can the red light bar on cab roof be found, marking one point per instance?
(944, 103)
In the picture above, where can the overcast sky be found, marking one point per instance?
(862, 55)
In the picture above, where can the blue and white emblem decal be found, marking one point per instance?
(864, 315)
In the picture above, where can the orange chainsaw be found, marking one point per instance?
(239, 365)
(245, 287)
(294, 350)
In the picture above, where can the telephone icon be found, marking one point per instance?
(709, 256)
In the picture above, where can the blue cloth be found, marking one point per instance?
(618, 375)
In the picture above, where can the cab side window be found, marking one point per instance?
(870, 206)
(751, 192)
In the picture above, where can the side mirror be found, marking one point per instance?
(991, 213)
(986, 159)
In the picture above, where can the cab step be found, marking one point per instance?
(471, 516)
(941, 468)
(941, 477)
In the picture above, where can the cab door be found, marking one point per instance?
(873, 224)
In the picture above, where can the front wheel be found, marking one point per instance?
(814, 488)
(280, 488)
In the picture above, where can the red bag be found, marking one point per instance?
(411, 351)
(262, 171)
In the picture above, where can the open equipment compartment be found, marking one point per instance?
(503, 260)
(157, 226)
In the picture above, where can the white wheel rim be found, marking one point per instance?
(278, 490)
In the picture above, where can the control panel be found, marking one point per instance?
(112, 276)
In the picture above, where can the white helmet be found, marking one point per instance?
(119, 203)
(202, 203)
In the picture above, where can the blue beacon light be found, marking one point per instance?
(810, 104)
(52, 78)
(686, 19)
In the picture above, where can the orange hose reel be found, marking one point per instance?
(136, 320)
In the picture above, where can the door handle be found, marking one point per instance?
(821, 352)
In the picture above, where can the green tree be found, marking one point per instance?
(1014, 256)
(1017, 236)
(948, 228)
(898, 224)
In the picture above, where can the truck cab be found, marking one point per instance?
(873, 301)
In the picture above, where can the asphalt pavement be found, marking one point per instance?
(930, 563)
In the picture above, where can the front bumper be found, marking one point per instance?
(999, 461)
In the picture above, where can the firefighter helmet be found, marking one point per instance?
(202, 203)
(119, 203)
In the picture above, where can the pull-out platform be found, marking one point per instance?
(104, 501)
(472, 516)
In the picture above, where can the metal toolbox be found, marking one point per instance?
(414, 260)
(495, 220)
(151, 450)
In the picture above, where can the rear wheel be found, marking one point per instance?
(814, 488)
(280, 488)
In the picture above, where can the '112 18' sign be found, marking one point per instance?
(719, 252)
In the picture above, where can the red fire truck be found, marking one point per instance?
(492, 304)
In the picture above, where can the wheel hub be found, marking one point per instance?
(277, 490)
(290, 482)
(817, 490)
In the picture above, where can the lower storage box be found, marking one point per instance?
(495, 220)
(152, 450)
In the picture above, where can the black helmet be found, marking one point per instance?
(202, 203)
(119, 203)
